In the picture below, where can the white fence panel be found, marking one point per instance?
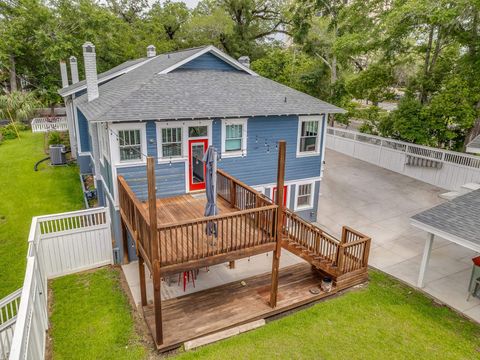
(8, 316)
(75, 241)
(58, 245)
(46, 124)
(448, 169)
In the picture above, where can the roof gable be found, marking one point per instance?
(211, 50)
(207, 61)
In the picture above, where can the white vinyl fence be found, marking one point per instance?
(446, 169)
(46, 124)
(58, 245)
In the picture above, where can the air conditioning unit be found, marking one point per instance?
(57, 155)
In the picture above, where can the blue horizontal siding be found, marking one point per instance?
(259, 166)
(84, 134)
(151, 132)
(170, 179)
(207, 61)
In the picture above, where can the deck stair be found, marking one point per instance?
(332, 257)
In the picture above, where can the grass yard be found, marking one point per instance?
(91, 318)
(25, 193)
(386, 320)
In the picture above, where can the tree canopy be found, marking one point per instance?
(427, 51)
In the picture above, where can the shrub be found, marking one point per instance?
(8, 131)
(58, 138)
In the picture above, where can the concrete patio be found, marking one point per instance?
(379, 203)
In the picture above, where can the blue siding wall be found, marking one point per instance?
(207, 61)
(260, 166)
(151, 132)
(83, 132)
(170, 179)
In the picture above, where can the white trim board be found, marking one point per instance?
(444, 235)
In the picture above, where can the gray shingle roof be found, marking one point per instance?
(102, 76)
(459, 217)
(144, 94)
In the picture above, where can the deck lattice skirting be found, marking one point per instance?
(249, 224)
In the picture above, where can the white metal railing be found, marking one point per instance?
(59, 244)
(46, 124)
(456, 168)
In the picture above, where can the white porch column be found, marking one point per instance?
(425, 259)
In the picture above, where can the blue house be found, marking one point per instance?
(173, 106)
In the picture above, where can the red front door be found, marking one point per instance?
(196, 167)
(285, 192)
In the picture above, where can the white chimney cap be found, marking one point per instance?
(88, 47)
(151, 52)
(244, 60)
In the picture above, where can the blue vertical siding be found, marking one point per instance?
(207, 61)
(85, 140)
(106, 172)
(259, 166)
(170, 179)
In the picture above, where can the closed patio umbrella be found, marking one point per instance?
(210, 159)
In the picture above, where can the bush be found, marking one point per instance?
(58, 138)
(8, 131)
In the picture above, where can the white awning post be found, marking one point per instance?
(425, 259)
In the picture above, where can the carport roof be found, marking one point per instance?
(457, 220)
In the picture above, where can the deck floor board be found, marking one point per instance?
(212, 310)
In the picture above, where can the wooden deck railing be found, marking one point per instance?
(235, 232)
(354, 251)
(310, 236)
(135, 218)
(238, 194)
(346, 255)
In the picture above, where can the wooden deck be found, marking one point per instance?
(185, 244)
(187, 207)
(195, 315)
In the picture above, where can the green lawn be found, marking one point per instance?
(25, 193)
(91, 318)
(386, 320)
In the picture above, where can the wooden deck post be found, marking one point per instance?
(279, 222)
(124, 235)
(141, 272)
(155, 251)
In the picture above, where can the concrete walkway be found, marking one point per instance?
(379, 203)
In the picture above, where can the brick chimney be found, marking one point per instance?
(245, 61)
(64, 74)
(74, 69)
(151, 52)
(90, 61)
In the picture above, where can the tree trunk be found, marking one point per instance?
(13, 74)
(426, 66)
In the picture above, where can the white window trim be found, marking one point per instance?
(170, 125)
(289, 193)
(302, 119)
(114, 144)
(243, 150)
(312, 197)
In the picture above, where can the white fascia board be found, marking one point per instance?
(444, 235)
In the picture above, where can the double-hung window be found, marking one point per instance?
(130, 145)
(308, 136)
(304, 194)
(234, 137)
(172, 142)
